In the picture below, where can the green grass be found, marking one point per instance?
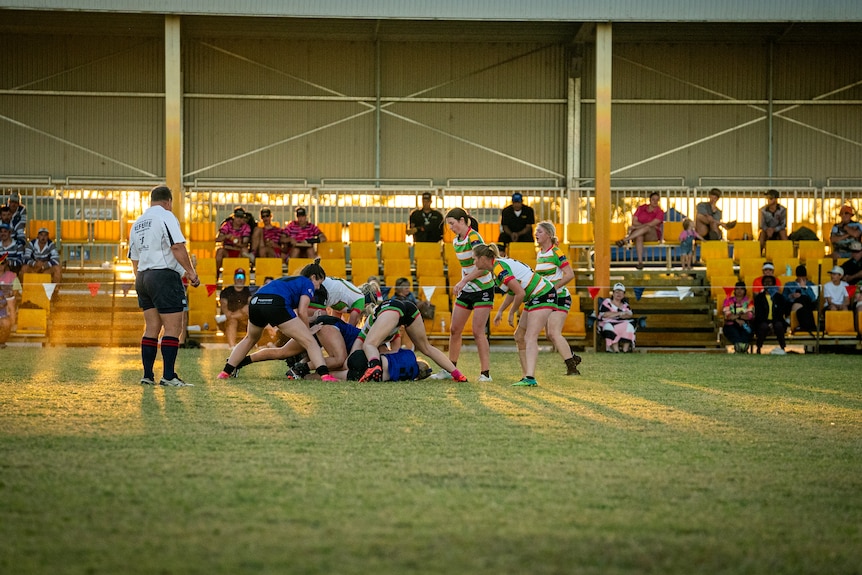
(645, 464)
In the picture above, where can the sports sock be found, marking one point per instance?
(487, 373)
(456, 373)
(245, 361)
(228, 368)
(322, 370)
(149, 351)
(375, 362)
(170, 348)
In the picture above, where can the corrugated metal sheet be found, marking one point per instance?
(579, 10)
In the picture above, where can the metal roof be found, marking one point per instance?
(503, 10)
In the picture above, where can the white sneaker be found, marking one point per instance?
(484, 378)
(778, 351)
(175, 382)
(442, 374)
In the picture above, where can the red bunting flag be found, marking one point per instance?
(94, 288)
(851, 290)
(728, 290)
(211, 289)
(594, 291)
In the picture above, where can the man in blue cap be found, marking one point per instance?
(516, 221)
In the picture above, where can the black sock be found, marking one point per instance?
(170, 347)
(322, 370)
(375, 363)
(245, 361)
(149, 351)
(487, 373)
(228, 368)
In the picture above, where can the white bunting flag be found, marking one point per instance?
(49, 290)
(429, 291)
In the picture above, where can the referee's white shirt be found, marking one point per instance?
(151, 239)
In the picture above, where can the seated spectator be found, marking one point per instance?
(233, 301)
(404, 291)
(844, 233)
(708, 219)
(802, 299)
(835, 292)
(646, 226)
(616, 327)
(41, 257)
(769, 306)
(853, 266)
(773, 220)
(768, 270)
(267, 239)
(234, 235)
(17, 217)
(738, 312)
(11, 249)
(16, 232)
(10, 287)
(303, 236)
(516, 222)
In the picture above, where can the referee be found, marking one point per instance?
(159, 257)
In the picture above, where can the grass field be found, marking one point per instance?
(645, 464)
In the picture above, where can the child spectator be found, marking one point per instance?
(738, 312)
(686, 243)
(835, 292)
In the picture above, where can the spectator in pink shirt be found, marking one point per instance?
(234, 235)
(646, 226)
(268, 239)
(302, 236)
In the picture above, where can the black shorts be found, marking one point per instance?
(161, 289)
(545, 300)
(269, 309)
(474, 299)
(407, 311)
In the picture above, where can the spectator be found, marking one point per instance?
(18, 234)
(425, 224)
(835, 292)
(234, 234)
(19, 216)
(233, 301)
(769, 306)
(768, 270)
(844, 233)
(708, 219)
(267, 239)
(404, 291)
(853, 266)
(516, 221)
(646, 226)
(686, 244)
(10, 287)
(552, 264)
(40, 256)
(302, 236)
(773, 220)
(802, 299)
(11, 248)
(738, 312)
(616, 327)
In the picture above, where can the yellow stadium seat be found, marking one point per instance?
(794, 323)
(719, 267)
(331, 249)
(575, 326)
(490, 231)
(361, 231)
(524, 252)
(32, 321)
(295, 265)
(783, 265)
(363, 250)
(713, 249)
(745, 250)
(740, 232)
(363, 268)
(202, 231)
(34, 225)
(840, 323)
(335, 268)
(394, 250)
(717, 285)
(397, 267)
(430, 281)
(440, 324)
(750, 268)
(333, 232)
(671, 232)
(106, 231)
(779, 249)
(74, 231)
(206, 267)
(393, 232)
(450, 258)
(427, 251)
(429, 267)
(228, 266)
(267, 267)
(811, 250)
(580, 234)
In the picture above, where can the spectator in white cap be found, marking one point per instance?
(835, 296)
(516, 221)
(19, 215)
(768, 270)
(853, 266)
(41, 257)
(616, 327)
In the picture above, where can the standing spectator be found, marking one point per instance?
(768, 270)
(11, 248)
(844, 233)
(646, 226)
(40, 256)
(159, 257)
(552, 264)
(802, 299)
(738, 312)
(10, 287)
(516, 221)
(233, 301)
(835, 292)
(425, 224)
(17, 233)
(19, 216)
(474, 294)
(234, 234)
(853, 266)
(302, 236)
(686, 244)
(615, 316)
(769, 309)
(267, 238)
(773, 220)
(708, 219)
